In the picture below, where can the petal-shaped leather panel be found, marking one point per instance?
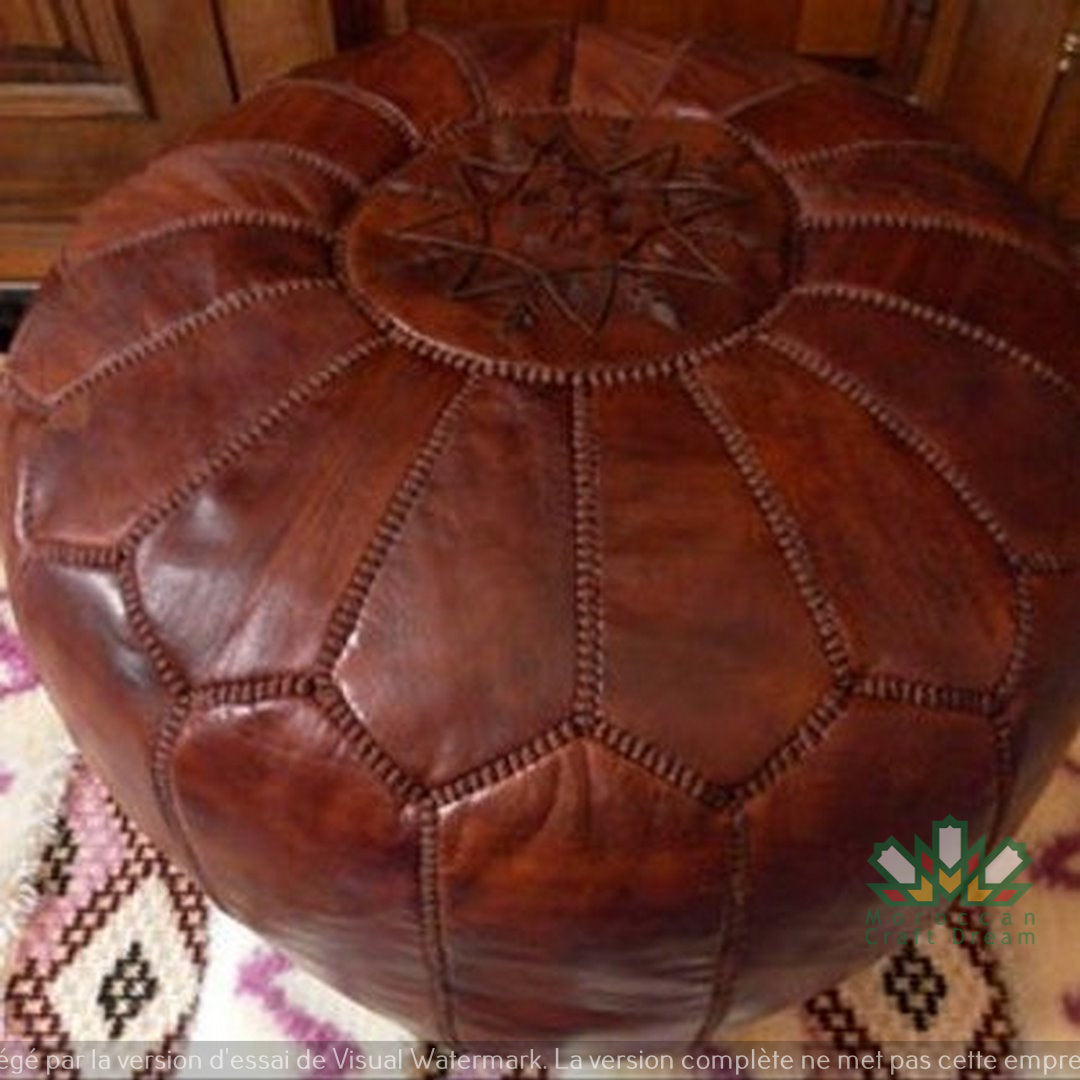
(313, 492)
(698, 602)
(919, 583)
(466, 706)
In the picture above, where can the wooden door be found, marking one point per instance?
(1004, 75)
(90, 89)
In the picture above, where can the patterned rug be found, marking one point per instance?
(103, 943)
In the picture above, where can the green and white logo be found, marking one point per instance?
(949, 869)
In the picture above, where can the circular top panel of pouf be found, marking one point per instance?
(521, 513)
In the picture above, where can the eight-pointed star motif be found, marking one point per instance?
(550, 218)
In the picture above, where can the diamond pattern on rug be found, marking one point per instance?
(127, 989)
(918, 987)
(54, 874)
(116, 947)
(945, 990)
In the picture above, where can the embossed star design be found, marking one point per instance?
(547, 219)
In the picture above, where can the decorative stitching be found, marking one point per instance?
(658, 762)
(588, 596)
(781, 522)
(1024, 620)
(431, 923)
(167, 670)
(331, 702)
(1045, 564)
(165, 740)
(79, 556)
(381, 106)
(506, 765)
(896, 304)
(732, 945)
(915, 693)
(930, 223)
(255, 689)
(920, 446)
(175, 685)
(221, 307)
(827, 155)
(466, 65)
(164, 746)
(25, 520)
(211, 219)
(387, 533)
(808, 735)
(793, 251)
(232, 451)
(327, 167)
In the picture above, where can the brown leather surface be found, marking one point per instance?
(521, 512)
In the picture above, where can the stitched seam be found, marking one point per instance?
(781, 523)
(793, 250)
(171, 333)
(236, 446)
(387, 533)
(588, 595)
(920, 446)
(167, 670)
(914, 691)
(211, 219)
(658, 762)
(79, 556)
(506, 765)
(1008, 686)
(431, 922)
(174, 683)
(732, 945)
(254, 689)
(1024, 619)
(901, 690)
(930, 223)
(332, 704)
(896, 304)
(382, 107)
(27, 485)
(165, 740)
(829, 154)
(327, 167)
(810, 734)
(1046, 564)
(466, 66)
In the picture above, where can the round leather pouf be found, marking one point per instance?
(520, 513)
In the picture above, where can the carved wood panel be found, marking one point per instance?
(69, 58)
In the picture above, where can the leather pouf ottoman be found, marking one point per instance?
(521, 513)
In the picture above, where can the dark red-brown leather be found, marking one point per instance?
(520, 513)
